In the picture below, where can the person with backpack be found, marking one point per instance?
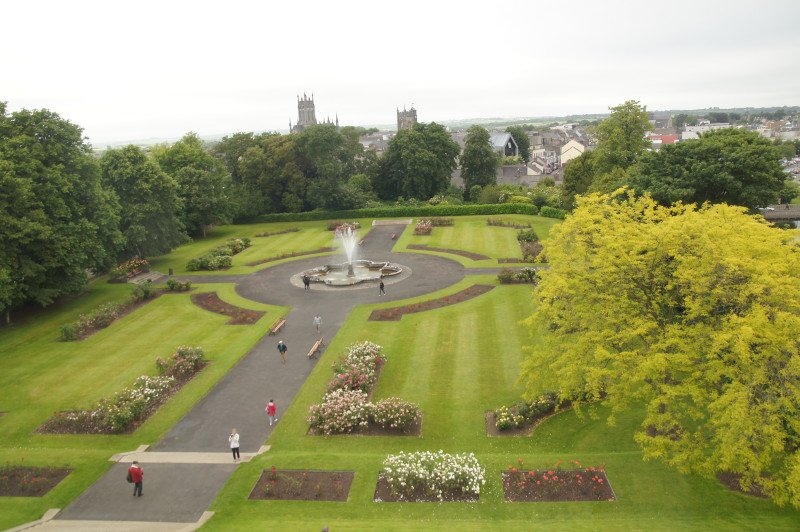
(282, 350)
(136, 476)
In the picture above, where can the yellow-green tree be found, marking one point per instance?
(692, 312)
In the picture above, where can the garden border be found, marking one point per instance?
(459, 252)
(396, 313)
(290, 255)
(237, 315)
(261, 483)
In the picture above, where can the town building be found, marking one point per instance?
(504, 144)
(571, 150)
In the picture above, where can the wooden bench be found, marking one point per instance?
(277, 326)
(314, 348)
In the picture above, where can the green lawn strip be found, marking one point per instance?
(40, 376)
(471, 233)
(312, 236)
(457, 362)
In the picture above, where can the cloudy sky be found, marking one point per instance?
(134, 70)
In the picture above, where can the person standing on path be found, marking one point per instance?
(282, 350)
(272, 409)
(136, 474)
(381, 289)
(234, 441)
(306, 282)
(318, 322)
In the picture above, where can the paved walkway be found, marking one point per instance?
(185, 471)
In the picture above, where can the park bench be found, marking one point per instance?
(312, 353)
(277, 326)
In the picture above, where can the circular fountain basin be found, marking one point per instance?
(343, 275)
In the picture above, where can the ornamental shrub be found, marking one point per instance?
(69, 332)
(143, 291)
(434, 475)
(341, 411)
(552, 212)
(527, 235)
(394, 413)
(183, 363)
(174, 285)
(219, 257)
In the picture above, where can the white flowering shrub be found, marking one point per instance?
(364, 350)
(394, 413)
(341, 411)
(436, 476)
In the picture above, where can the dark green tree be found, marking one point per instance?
(731, 166)
(56, 220)
(578, 176)
(273, 171)
(522, 140)
(479, 162)
(149, 203)
(204, 185)
(231, 149)
(418, 163)
(620, 137)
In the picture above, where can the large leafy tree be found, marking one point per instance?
(149, 203)
(731, 166)
(418, 163)
(204, 186)
(56, 220)
(693, 312)
(620, 137)
(479, 162)
(522, 140)
(578, 176)
(273, 171)
(231, 149)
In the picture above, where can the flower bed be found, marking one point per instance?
(521, 276)
(130, 407)
(396, 313)
(219, 258)
(283, 232)
(333, 226)
(239, 316)
(128, 270)
(291, 254)
(347, 409)
(502, 222)
(523, 416)
(423, 227)
(467, 254)
(557, 485)
(18, 481)
(302, 485)
(426, 476)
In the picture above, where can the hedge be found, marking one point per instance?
(425, 210)
(552, 212)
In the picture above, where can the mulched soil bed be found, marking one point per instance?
(731, 481)
(396, 313)
(59, 425)
(461, 253)
(383, 493)
(29, 481)
(288, 255)
(291, 230)
(303, 485)
(239, 316)
(560, 486)
(491, 424)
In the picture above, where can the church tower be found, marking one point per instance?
(406, 119)
(306, 114)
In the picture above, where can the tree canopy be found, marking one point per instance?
(479, 162)
(620, 137)
(56, 220)
(731, 166)
(417, 164)
(522, 140)
(693, 312)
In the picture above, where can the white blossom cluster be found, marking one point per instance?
(364, 350)
(437, 475)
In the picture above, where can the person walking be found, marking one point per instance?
(306, 282)
(234, 441)
(381, 289)
(318, 322)
(282, 350)
(272, 409)
(136, 475)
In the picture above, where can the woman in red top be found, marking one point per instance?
(271, 409)
(137, 475)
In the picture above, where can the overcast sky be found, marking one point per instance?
(133, 70)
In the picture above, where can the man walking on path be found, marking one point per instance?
(282, 351)
(234, 441)
(318, 322)
(272, 409)
(381, 289)
(136, 475)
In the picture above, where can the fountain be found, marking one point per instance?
(353, 271)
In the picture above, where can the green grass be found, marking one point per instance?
(40, 375)
(471, 233)
(457, 362)
(312, 236)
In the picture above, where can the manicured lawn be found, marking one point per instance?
(471, 233)
(40, 375)
(457, 362)
(312, 236)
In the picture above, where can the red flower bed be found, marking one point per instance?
(18, 481)
(394, 314)
(557, 485)
(292, 254)
(467, 254)
(302, 485)
(239, 316)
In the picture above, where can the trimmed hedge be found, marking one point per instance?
(411, 212)
(552, 212)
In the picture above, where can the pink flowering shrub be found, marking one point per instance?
(394, 413)
(184, 363)
(341, 411)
